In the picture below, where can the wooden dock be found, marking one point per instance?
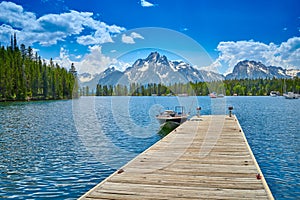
(204, 158)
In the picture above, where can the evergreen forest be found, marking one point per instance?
(244, 87)
(25, 76)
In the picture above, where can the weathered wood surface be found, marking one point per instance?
(204, 158)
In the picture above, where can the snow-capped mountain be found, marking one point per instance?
(158, 69)
(85, 77)
(88, 80)
(110, 76)
(107, 77)
(254, 70)
(195, 75)
(293, 72)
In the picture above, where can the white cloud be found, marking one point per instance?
(15, 16)
(51, 28)
(6, 31)
(64, 59)
(71, 23)
(103, 33)
(145, 3)
(286, 55)
(136, 35)
(129, 39)
(93, 62)
(87, 40)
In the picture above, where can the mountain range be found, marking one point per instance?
(157, 68)
(254, 70)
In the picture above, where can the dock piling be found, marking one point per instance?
(230, 108)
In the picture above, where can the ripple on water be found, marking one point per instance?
(43, 156)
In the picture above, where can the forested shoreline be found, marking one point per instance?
(243, 87)
(25, 76)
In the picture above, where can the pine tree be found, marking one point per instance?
(24, 76)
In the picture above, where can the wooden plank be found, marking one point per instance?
(204, 158)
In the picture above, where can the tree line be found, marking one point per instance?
(25, 76)
(241, 87)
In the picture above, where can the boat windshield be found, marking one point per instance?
(179, 110)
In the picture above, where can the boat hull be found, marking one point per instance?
(179, 119)
(167, 127)
(291, 95)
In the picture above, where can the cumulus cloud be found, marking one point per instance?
(286, 55)
(103, 33)
(129, 39)
(92, 62)
(6, 31)
(64, 59)
(136, 35)
(95, 61)
(51, 28)
(145, 3)
(15, 16)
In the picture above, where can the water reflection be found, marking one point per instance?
(48, 152)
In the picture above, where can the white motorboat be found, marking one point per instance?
(274, 93)
(177, 115)
(220, 96)
(291, 95)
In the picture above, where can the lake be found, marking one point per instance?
(61, 149)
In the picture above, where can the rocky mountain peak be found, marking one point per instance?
(110, 69)
(247, 66)
(254, 70)
(153, 57)
(163, 60)
(157, 68)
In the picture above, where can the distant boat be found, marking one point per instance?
(183, 95)
(213, 95)
(177, 115)
(274, 93)
(291, 95)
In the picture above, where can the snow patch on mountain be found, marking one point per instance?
(293, 72)
(158, 69)
(144, 68)
(254, 70)
(85, 77)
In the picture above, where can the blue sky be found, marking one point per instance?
(209, 34)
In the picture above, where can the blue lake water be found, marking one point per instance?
(61, 149)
